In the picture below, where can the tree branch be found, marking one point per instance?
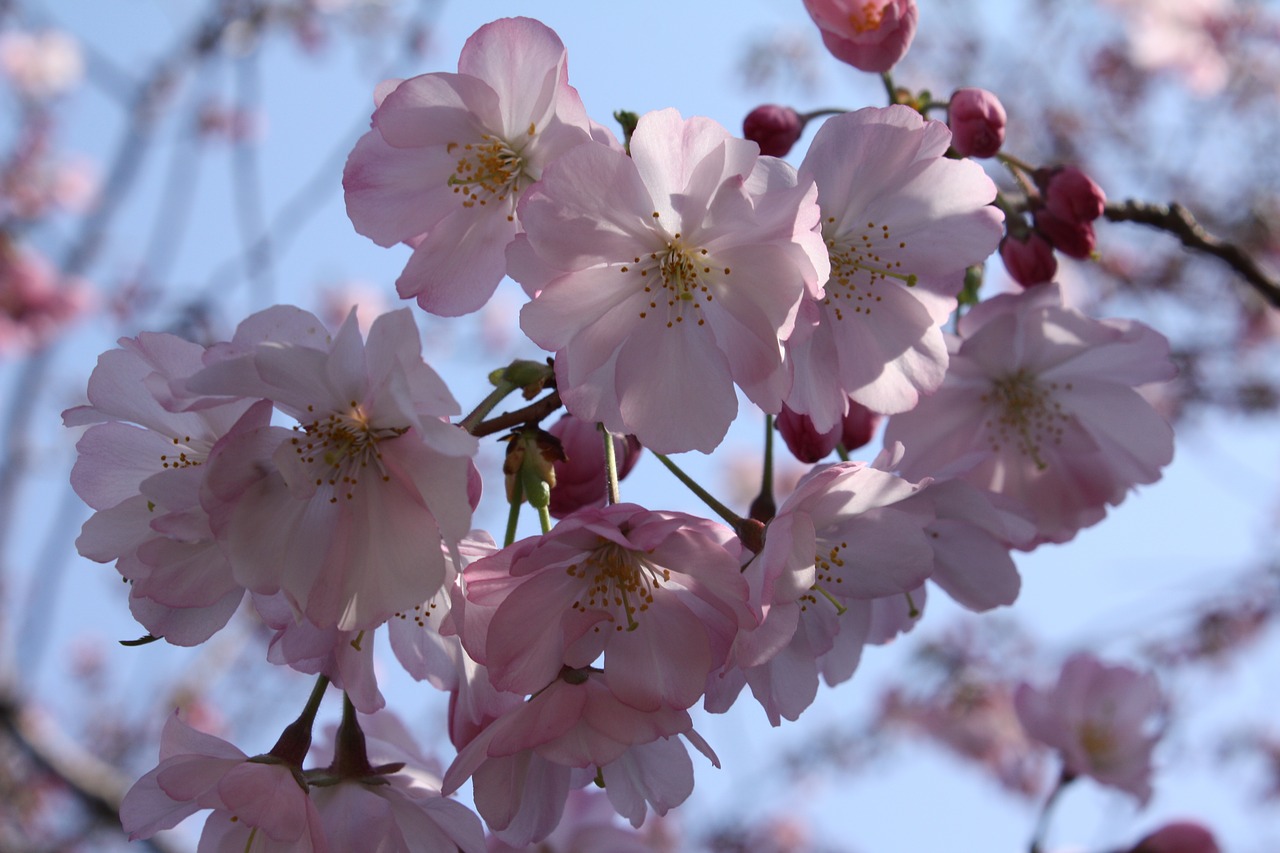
(532, 413)
(98, 785)
(1178, 221)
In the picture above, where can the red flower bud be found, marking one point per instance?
(1073, 238)
(977, 120)
(1071, 194)
(1179, 837)
(1029, 260)
(775, 129)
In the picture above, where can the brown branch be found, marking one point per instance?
(1178, 221)
(98, 785)
(532, 413)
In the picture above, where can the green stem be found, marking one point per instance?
(487, 405)
(732, 518)
(1042, 822)
(544, 518)
(517, 498)
(842, 453)
(889, 88)
(611, 467)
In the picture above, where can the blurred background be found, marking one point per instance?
(174, 165)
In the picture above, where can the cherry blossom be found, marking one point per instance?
(641, 588)
(526, 761)
(249, 796)
(347, 511)
(661, 279)
(450, 154)
(1103, 720)
(901, 223)
(871, 35)
(141, 467)
(840, 547)
(1040, 405)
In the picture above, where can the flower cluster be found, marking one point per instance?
(664, 277)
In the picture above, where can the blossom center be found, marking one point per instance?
(1027, 416)
(340, 446)
(490, 170)
(1099, 743)
(867, 17)
(680, 276)
(860, 262)
(618, 579)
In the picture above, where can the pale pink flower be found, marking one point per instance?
(450, 154)
(397, 810)
(561, 738)
(901, 223)
(1103, 720)
(199, 771)
(344, 657)
(871, 35)
(589, 825)
(841, 546)
(663, 278)
(41, 65)
(141, 467)
(345, 513)
(641, 588)
(1040, 405)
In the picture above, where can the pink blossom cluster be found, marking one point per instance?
(667, 277)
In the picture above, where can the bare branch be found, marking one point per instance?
(1178, 221)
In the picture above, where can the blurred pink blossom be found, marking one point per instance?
(43, 64)
(36, 303)
(1180, 37)
(1103, 720)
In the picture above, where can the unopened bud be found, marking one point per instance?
(1029, 259)
(774, 128)
(977, 120)
(1179, 837)
(1070, 194)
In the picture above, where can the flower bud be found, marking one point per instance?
(977, 120)
(859, 426)
(774, 128)
(806, 443)
(1071, 194)
(1073, 238)
(871, 35)
(1028, 259)
(1178, 837)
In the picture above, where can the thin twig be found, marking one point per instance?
(530, 414)
(1178, 221)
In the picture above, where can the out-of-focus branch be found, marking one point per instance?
(97, 784)
(1178, 221)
